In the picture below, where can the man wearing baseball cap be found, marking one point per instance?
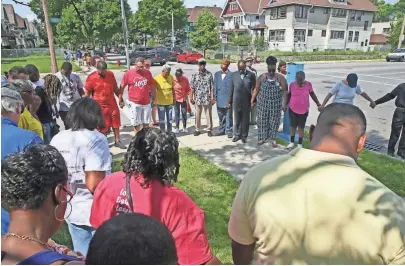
(345, 91)
(202, 95)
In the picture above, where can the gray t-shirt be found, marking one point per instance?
(70, 90)
(83, 151)
(343, 93)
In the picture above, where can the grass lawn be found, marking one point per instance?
(213, 190)
(43, 63)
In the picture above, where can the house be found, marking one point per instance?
(15, 30)
(310, 25)
(379, 33)
(192, 14)
(243, 17)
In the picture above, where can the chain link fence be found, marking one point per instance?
(17, 53)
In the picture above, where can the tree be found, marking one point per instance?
(154, 17)
(396, 31)
(207, 34)
(241, 39)
(41, 30)
(259, 42)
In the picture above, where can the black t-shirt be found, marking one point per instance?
(44, 112)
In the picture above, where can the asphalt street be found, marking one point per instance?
(377, 79)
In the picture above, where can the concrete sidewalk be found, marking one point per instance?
(236, 158)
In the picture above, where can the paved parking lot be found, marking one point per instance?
(377, 79)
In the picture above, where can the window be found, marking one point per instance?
(277, 35)
(326, 10)
(386, 30)
(356, 36)
(358, 15)
(310, 32)
(323, 33)
(365, 25)
(340, 1)
(352, 15)
(299, 35)
(373, 31)
(350, 39)
(312, 10)
(233, 6)
(366, 43)
(278, 12)
(339, 13)
(337, 35)
(238, 20)
(301, 11)
(257, 17)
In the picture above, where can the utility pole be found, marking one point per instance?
(125, 29)
(50, 37)
(402, 34)
(173, 38)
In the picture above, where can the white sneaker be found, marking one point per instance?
(291, 145)
(256, 127)
(176, 131)
(299, 146)
(185, 130)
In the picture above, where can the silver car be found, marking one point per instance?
(397, 55)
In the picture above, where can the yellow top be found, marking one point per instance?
(27, 121)
(164, 92)
(310, 207)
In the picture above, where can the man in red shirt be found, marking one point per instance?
(140, 83)
(101, 85)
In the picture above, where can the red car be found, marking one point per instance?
(189, 57)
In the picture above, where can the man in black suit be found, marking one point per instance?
(241, 87)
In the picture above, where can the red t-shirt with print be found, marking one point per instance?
(139, 85)
(170, 205)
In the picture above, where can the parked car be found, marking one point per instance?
(175, 51)
(157, 55)
(189, 57)
(396, 55)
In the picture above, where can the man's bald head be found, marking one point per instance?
(340, 129)
(101, 68)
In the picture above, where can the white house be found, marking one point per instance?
(309, 25)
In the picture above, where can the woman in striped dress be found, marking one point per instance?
(272, 93)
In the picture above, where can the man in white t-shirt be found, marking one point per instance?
(88, 160)
(72, 90)
(345, 91)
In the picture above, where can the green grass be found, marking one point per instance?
(115, 66)
(43, 63)
(213, 190)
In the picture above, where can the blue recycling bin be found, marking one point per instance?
(292, 69)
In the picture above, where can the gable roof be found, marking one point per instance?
(365, 5)
(193, 12)
(246, 6)
(10, 13)
(20, 21)
(378, 39)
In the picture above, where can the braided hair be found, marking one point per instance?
(52, 87)
(153, 154)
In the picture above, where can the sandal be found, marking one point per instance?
(260, 143)
(274, 144)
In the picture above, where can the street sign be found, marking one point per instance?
(55, 20)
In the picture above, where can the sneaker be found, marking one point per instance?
(256, 127)
(291, 145)
(230, 135)
(197, 133)
(176, 131)
(209, 133)
(120, 145)
(185, 130)
(299, 146)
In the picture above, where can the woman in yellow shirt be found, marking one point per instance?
(27, 119)
(165, 97)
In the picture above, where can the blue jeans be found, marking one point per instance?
(47, 133)
(81, 237)
(180, 108)
(225, 120)
(165, 112)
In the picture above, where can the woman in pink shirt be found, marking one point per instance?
(300, 90)
(181, 90)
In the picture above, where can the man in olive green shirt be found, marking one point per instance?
(317, 206)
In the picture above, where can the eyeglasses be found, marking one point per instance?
(69, 194)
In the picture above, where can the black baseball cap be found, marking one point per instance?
(352, 79)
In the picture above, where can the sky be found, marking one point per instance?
(26, 12)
